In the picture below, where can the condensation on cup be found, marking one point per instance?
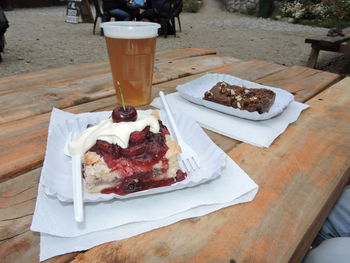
(131, 47)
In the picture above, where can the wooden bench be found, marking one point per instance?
(327, 43)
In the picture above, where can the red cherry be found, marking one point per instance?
(134, 150)
(104, 146)
(180, 175)
(116, 151)
(137, 137)
(147, 132)
(127, 115)
(156, 149)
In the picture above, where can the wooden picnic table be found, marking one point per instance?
(300, 175)
(338, 44)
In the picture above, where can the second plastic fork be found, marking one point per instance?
(78, 202)
(189, 159)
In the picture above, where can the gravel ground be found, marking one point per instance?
(40, 39)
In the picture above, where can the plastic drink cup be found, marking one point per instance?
(131, 47)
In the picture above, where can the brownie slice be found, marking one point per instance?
(242, 98)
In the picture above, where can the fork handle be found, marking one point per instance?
(170, 116)
(77, 189)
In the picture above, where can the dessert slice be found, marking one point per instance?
(127, 154)
(242, 98)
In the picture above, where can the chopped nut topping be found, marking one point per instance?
(246, 91)
(239, 105)
(223, 90)
(228, 92)
(232, 92)
(239, 98)
(208, 94)
(223, 84)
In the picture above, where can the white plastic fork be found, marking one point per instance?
(77, 179)
(78, 202)
(189, 160)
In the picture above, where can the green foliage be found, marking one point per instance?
(341, 9)
(322, 10)
(192, 5)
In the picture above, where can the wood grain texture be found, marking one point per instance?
(165, 56)
(32, 132)
(21, 248)
(308, 165)
(17, 83)
(185, 67)
(296, 176)
(25, 118)
(299, 177)
(56, 76)
(33, 102)
(61, 95)
(17, 200)
(303, 82)
(30, 135)
(254, 69)
(312, 60)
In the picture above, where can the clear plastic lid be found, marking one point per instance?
(130, 29)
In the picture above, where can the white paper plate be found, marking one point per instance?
(195, 89)
(56, 172)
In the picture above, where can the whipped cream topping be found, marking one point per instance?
(112, 132)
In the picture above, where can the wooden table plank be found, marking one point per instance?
(296, 174)
(32, 132)
(249, 70)
(303, 82)
(57, 76)
(21, 248)
(181, 53)
(70, 93)
(186, 67)
(39, 101)
(301, 155)
(17, 201)
(17, 83)
(254, 69)
(17, 242)
(288, 158)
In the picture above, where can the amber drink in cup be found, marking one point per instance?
(131, 47)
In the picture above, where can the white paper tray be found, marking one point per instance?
(195, 89)
(56, 172)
